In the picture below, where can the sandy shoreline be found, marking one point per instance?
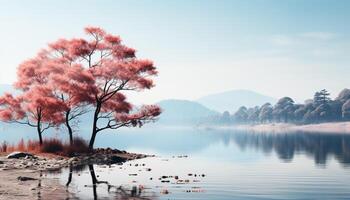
(40, 187)
(25, 178)
(333, 127)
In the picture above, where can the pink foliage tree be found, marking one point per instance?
(80, 72)
(36, 107)
(68, 82)
(115, 69)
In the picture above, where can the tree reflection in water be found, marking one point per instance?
(320, 146)
(118, 192)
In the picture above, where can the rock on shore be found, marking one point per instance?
(23, 160)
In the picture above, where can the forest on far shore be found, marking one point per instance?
(321, 108)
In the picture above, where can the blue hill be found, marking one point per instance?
(232, 100)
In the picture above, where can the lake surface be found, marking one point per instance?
(218, 164)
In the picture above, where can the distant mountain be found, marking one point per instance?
(183, 112)
(232, 100)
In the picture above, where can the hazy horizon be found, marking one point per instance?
(276, 48)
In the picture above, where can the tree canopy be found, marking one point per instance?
(70, 76)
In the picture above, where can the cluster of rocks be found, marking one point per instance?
(23, 160)
(108, 151)
(104, 157)
(177, 180)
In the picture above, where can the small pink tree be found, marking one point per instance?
(36, 107)
(68, 82)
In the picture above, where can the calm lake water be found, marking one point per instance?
(218, 164)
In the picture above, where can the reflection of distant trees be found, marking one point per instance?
(319, 146)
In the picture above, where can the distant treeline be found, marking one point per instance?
(319, 109)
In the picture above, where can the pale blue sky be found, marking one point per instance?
(277, 48)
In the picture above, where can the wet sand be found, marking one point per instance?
(39, 188)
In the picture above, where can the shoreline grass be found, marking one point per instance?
(52, 145)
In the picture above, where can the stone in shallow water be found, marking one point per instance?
(18, 154)
(164, 191)
(117, 159)
(24, 178)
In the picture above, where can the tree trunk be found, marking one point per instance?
(40, 137)
(70, 131)
(92, 140)
(38, 128)
(94, 127)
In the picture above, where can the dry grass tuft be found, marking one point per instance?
(79, 146)
(52, 145)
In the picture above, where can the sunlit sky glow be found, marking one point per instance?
(276, 48)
